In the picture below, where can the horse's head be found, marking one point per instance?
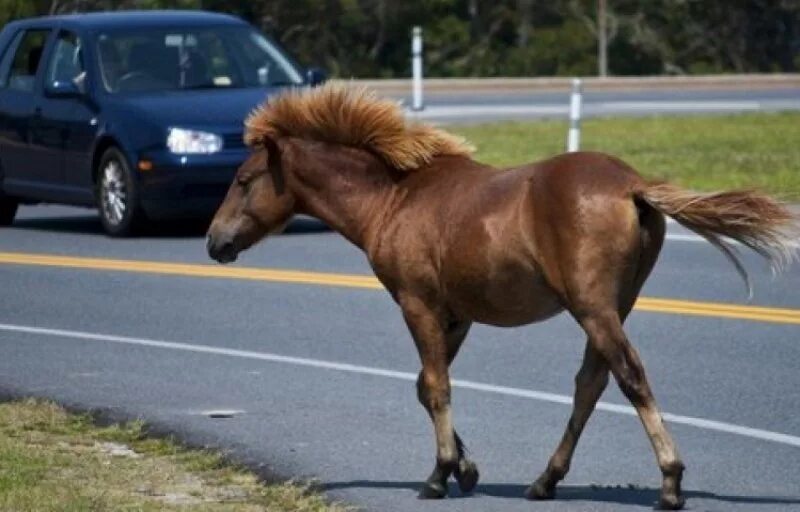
(258, 203)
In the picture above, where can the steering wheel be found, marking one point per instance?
(134, 80)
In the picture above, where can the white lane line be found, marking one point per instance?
(678, 105)
(702, 423)
(465, 110)
(678, 237)
(457, 111)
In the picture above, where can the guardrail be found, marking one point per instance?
(525, 85)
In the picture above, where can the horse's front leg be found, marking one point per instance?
(466, 472)
(429, 330)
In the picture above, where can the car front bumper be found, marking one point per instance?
(186, 185)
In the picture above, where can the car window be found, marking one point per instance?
(21, 75)
(66, 61)
(191, 58)
(8, 56)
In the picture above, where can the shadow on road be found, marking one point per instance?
(90, 224)
(620, 495)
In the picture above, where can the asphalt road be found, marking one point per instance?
(497, 105)
(318, 374)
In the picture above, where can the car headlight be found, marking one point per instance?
(183, 141)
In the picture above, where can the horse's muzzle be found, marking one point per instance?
(221, 249)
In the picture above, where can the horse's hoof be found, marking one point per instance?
(671, 502)
(539, 491)
(467, 475)
(433, 491)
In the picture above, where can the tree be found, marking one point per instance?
(370, 38)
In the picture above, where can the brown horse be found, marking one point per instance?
(455, 242)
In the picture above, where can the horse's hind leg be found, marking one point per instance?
(592, 378)
(590, 382)
(437, 345)
(606, 335)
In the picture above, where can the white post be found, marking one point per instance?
(602, 40)
(416, 68)
(574, 136)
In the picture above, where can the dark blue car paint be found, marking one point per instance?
(52, 157)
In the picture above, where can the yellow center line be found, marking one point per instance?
(649, 304)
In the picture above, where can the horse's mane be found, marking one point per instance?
(352, 116)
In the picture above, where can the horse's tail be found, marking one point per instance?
(756, 220)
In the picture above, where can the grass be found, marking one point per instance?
(51, 460)
(700, 152)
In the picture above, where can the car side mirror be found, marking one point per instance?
(315, 76)
(63, 89)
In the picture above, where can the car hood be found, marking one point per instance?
(218, 108)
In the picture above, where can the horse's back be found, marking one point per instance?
(584, 173)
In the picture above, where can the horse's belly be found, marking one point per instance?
(507, 300)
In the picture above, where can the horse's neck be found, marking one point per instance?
(348, 189)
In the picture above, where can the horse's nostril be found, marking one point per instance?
(223, 251)
(212, 245)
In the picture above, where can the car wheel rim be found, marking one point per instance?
(113, 194)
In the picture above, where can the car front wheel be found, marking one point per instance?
(117, 197)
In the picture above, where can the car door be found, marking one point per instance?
(67, 125)
(26, 167)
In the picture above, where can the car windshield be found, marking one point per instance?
(192, 58)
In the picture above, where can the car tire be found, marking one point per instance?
(117, 195)
(8, 209)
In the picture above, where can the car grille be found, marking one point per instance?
(233, 140)
(205, 190)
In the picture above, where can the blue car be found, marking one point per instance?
(136, 113)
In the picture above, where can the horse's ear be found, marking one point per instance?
(274, 163)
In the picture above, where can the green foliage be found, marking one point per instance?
(565, 50)
(371, 38)
(13, 9)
